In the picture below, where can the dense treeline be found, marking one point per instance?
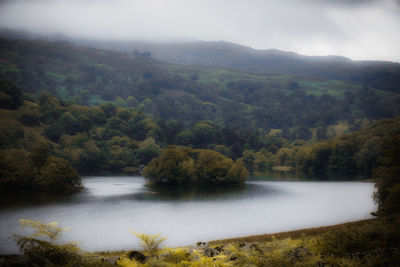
(183, 165)
(36, 170)
(108, 138)
(362, 151)
(27, 164)
(104, 138)
(96, 139)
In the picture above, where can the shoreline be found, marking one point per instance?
(294, 234)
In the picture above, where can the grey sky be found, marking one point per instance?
(359, 29)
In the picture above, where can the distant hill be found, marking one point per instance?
(378, 74)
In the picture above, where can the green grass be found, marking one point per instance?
(78, 88)
(224, 76)
(63, 93)
(96, 100)
(55, 75)
(291, 234)
(5, 67)
(330, 87)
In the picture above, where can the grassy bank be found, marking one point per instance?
(296, 234)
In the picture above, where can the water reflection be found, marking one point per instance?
(35, 199)
(188, 193)
(300, 176)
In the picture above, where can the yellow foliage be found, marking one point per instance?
(116, 150)
(74, 153)
(118, 140)
(150, 243)
(175, 256)
(148, 142)
(73, 140)
(125, 262)
(50, 230)
(78, 109)
(91, 147)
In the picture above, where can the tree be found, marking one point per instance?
(248, 160)
(10, 95)
(320, 156)
(212, 167)
(388, 180)
(16, 170)
(109, 109)
(57, 175)
(147, 75)
(148, 149)
(167, 168)
(39, 154)
(237, 174)
(293, 86)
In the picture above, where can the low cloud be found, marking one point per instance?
(359, 29)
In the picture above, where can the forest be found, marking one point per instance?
(112, 139)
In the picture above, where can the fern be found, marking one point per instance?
(150, 243)
(46, 253)
(50, 230)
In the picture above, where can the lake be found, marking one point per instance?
(101, 215)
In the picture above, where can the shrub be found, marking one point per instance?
(150, 243)
(47, 253)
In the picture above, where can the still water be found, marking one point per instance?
(100, 216)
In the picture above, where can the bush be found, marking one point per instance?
(31, 118)
(10, 95)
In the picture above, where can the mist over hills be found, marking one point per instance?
(383, 75)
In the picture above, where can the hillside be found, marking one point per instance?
(378, 74)
(295, 104)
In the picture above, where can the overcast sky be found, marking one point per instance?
(359, 29)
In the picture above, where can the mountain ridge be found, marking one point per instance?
(384, 75)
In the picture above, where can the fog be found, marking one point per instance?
(358, 29)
